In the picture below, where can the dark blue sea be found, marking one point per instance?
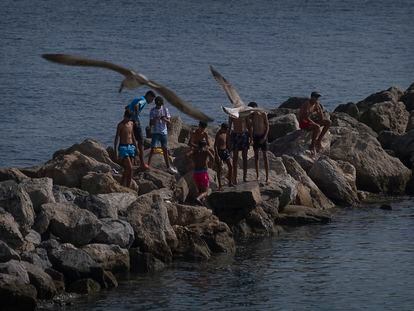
(269, 50)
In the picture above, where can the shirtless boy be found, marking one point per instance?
(240, 141)
(222, 152)
(259, 132)
(309, 108)
(127, 147)
(198, 135)
(200, 157)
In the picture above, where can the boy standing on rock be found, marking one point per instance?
(200, 157)
(198, 135)
(159, 118)
(127, 147)
(135, 108)
(309, 108)
(222, 152)
(259, 131)
(240, 141)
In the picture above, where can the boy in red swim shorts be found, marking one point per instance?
(200, 157)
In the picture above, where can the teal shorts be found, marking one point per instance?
(126, 150)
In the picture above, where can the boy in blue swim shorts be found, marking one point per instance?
(127, 147)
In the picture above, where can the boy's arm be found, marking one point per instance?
(116, 141)
(266, 121)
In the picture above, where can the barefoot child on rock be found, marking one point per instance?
(222, 153)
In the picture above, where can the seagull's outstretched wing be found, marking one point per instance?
(240, 112)
(85, 62)
(133, 80)
(228, 88)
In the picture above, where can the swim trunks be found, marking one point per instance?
(126, 150)
(239, 141)
(304, 124)
(257, 144)
(201, 178)
(223, 154)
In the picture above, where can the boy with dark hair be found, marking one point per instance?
(135, 108)
(159, 118)
(221, 149)
(127, 147)
(198, 135)
(259, 131)
(200, 157)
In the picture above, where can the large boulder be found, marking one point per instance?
(38, 257)
(403, 146)
(40, 191)
(71, 223)
(144, 262)
(65, 194)
(12, 174)
(84, 287)
(349, 108)
(340, 119)
(96, 183)
(297, 215)
(280, 126)
(92, 149)
(184, 215)
(158, 178)
(308, 193)
(330, 177)
(41, 280)
(16, 296)
(16, 268)
(15, 200)
(392, 94)
(68, 169)
(234, 203)
(408, 98)
(294, 102)
(110, 257)
(115, 231)
(74, 263)
(7, 253)
(190, 245)
(148, 217)
(9, 230)
(386, 116)
(376, 170)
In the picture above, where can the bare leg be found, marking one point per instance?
(266, 164)
(256, 162)
(218, 162)
(202, 193)
(229, 175)
(141, 154)
(244, 156)
(326, 124)
(127, 174)
(235, 160)
(315, 132)
(166, 158)
(150, 156)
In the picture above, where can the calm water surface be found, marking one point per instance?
(363, 260)
(269, 49)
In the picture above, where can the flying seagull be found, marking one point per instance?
(132, 80)
(240, 110)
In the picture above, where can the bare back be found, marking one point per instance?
(239, 125)
(200, 158)
(221, 140)
(259, 123)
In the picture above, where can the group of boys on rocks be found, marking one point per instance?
(236, 135)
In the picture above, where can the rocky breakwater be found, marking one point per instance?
(68, 226)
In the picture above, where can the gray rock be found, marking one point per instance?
(115, 231)
(280, 126)
(393, 94)
(39, 258)
(386, 116)
(40, 191)
(296, 215)
(84, 286)
(68, 169)
(110, 257)
(144, 262)
(408, 98)
(15, 200)
(410, 124)
(16, 268)
(234, 203)
(72, 224)
(9, 230)
(41, 280)
(294, 102)
(153, 233)
(95, 183)
(12, 174)
(308, 193)
(15, 295)
(330, 178)
(376, 170)
(184, 215)
(65, 194)
(190, 245)
(344, 120)
(7, 253)
(349, 108)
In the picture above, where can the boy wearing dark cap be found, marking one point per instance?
(311, 118)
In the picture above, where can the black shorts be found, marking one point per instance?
(224, 154)
(257, 144)
(138, 133)
(239, 141)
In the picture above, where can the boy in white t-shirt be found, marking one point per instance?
(159, 119)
